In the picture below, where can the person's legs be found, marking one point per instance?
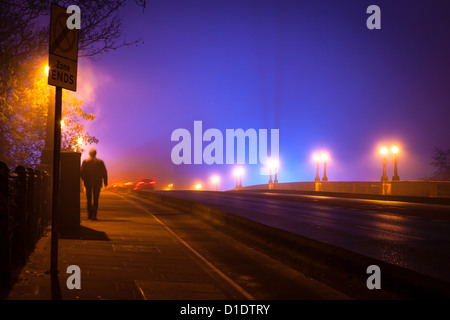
(96, 192)
(89, 201)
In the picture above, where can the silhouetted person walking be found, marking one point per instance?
(93, 173)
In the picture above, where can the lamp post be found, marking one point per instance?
(271, 164)
(384, 152)
(215, 181)
(240, 178)
(276, 165)
(270, 171)
(238, 173)
(324, 157)
(395, 150)
(317, 158)
(273, 167)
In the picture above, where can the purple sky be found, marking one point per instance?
(311, 69)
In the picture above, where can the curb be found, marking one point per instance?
(346, 195)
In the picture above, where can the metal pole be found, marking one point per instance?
(384, 177)
(55, 197)
(395, 177)
(317, 172)
(325, 178)
(275, 181)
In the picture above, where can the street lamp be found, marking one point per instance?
(324, 157)
(276, 164)
(384, 152)
(215, 180)
(169, 187)
(238, 173)
(317, 159)
(79, 145)
(271, 165)
(395, 152)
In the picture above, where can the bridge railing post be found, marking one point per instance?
(48, 198)
(18, 227)
(38, 205)
(31, 210)
(5, 239)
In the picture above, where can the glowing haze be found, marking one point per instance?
(311, 69)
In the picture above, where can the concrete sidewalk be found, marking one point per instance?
(125, 255)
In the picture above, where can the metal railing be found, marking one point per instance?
(25, 212)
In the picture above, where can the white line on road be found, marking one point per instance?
(140, 290)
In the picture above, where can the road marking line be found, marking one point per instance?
(140, 289)
(209, 264)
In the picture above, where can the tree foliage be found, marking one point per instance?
(24, 95)
(24, 28)
(72, 126)
(25, 132)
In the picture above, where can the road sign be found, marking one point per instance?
(63, 60)
(62, 72)
(63, 50)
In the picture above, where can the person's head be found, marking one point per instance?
(92, 153)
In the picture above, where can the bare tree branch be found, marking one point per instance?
(24, 36)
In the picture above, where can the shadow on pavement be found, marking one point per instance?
(113, 220)
(56, 289)
(88, 234)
